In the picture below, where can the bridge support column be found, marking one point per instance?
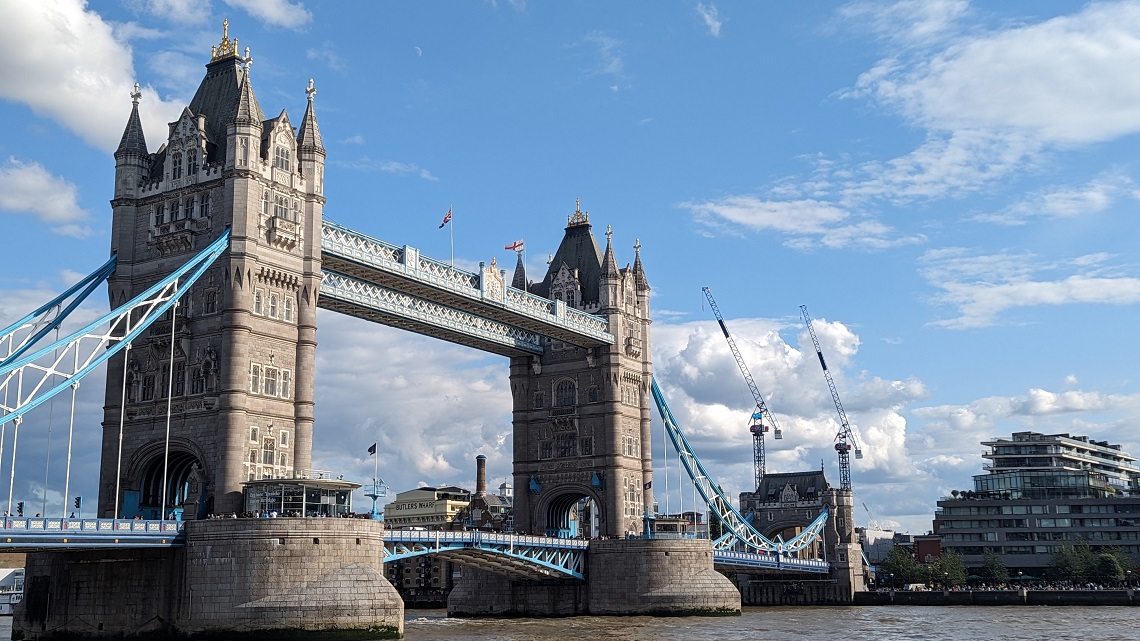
(257, 578)
(481, 593)
(664, 577)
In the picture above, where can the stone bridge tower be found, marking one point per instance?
(581, 416)
(239, 388)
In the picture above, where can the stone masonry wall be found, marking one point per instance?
(657, 577)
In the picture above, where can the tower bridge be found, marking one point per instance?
(221, 257)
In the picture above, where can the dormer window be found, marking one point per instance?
(176, 166)
(281, 158)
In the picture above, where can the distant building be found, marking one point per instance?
(487, 511)
(1042, 492)
(432, 508)
(299, 497)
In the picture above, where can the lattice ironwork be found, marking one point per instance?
(737, 529)
(376, 298)
(82, 534)
(40, 375)
(527, 556)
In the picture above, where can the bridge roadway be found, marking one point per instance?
(396, 285)
(521, 556)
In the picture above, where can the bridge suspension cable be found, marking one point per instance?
(737, 530)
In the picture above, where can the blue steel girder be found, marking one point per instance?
(28, 534)
(405, 270)
(380, 304)
(38, 376)
(730, 560)
(528, 557)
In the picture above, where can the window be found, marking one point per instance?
(270, 382)
(188, 208)
(592, 395)
(176, 166)
(288, 309)
(164, 380)
(285, 376)
(258, 298)
(265, 202)
(283, 459)
(243, 151)
(197, 381)
(281, 158)
(539, 400)
(281, 206)
(253, 435)
(284, 440)
(273, 305)
(586, 445)
(192, 162)
(252, 459)
(148, 387)
(546, 450)
(211, 306)
(565, 394)
(180, 379)
(255, 378)
(268, 456)
(204, 207)
(159, 214)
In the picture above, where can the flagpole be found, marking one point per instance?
(451, 230)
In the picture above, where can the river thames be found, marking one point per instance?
(888, 623)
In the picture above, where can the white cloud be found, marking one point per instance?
(28, 188)
(711, 18)
(982, 287)
(277, 13)
(175, 11)
(85, 83)
(354, 140)
(608, 59)
(809, 223)
(909, 22)
(328, 55)
(388, 167)
(1063, 202)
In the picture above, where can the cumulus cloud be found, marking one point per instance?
(85, 84)
(711, 17)
(29, 188)
(277, 13)
(982, 287)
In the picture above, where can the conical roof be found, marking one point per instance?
(309, 137)
(519, 279)
(133, 140)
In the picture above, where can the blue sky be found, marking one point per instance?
(949, 186)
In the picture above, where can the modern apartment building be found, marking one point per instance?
(1040, 493)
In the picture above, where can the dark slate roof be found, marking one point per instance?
(639, 271)
(224, 90)
(310, 135)
(133, 140)
(580, 251)
(519, 280)
(806, 483)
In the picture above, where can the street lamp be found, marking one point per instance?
(1128, 577)
(1020, 583)
(945, 580)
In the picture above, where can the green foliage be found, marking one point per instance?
(993, 567)
(716, 530)
(903, 568)
(1080, 564)
(949, 568)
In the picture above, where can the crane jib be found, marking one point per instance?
(821, 361)
(723, 328)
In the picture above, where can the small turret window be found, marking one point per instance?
(281, 158)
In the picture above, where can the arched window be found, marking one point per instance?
(192, 162)
(565, 394)
(265, 202)
(176, 166)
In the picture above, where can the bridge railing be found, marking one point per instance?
(36, 525)
(476, 537)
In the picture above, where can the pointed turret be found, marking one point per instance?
(309, 137)
(519, 279)
(609, 282)
(638, 270)
(133, 141)
(247, 111)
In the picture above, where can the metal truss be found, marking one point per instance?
(737, 529)
(729, 559)
(354, 297)
(40, 375)
(87, 534)
(404, 269)
(529, 557)
(20, 336)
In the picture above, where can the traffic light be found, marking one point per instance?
(20, 508)
(78, 502)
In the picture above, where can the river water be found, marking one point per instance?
(880, 623)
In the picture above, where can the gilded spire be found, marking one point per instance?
(226, 48)
(579, 217)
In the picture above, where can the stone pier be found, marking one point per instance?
(260, 578)
(658, 577)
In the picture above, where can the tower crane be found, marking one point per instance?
(845, 439)
(758, 427)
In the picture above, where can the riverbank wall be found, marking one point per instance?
(1003, 597)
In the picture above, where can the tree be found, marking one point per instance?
(1108, 568)
(950, 567)
(903, 567)
(716, 530)
(993, 567)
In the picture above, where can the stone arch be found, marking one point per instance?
(185, 472)
(556, 511)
